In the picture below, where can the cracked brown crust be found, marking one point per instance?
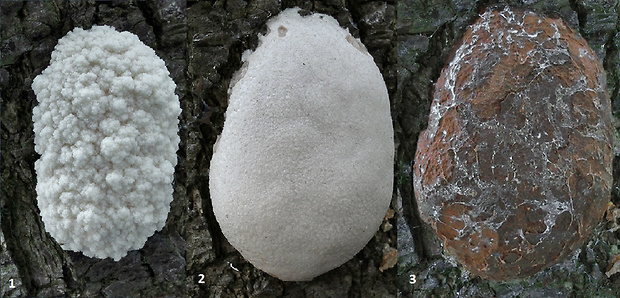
(514, 169)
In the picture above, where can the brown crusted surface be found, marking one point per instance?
(514, 169)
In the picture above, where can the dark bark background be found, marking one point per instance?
(427, 32)
(201, 43)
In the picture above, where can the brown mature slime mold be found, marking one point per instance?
(514, 169)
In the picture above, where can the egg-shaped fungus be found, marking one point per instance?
(106, 128)
(514, 169)
(301, 175)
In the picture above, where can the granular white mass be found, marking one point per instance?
(301, 176)
(106, 128)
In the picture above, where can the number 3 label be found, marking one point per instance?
(412, 279)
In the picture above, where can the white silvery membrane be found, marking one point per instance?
(301, 175)
(106, 128)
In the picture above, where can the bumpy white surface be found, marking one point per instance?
(106, 129)
(301, 176)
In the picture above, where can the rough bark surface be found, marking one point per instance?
(201, 43)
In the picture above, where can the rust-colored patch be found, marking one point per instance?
(614, 266)
(613, 217)
(451, 222)
(390, 257)
(438, 163)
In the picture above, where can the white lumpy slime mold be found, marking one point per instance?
(106, 128)
(301, 175)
